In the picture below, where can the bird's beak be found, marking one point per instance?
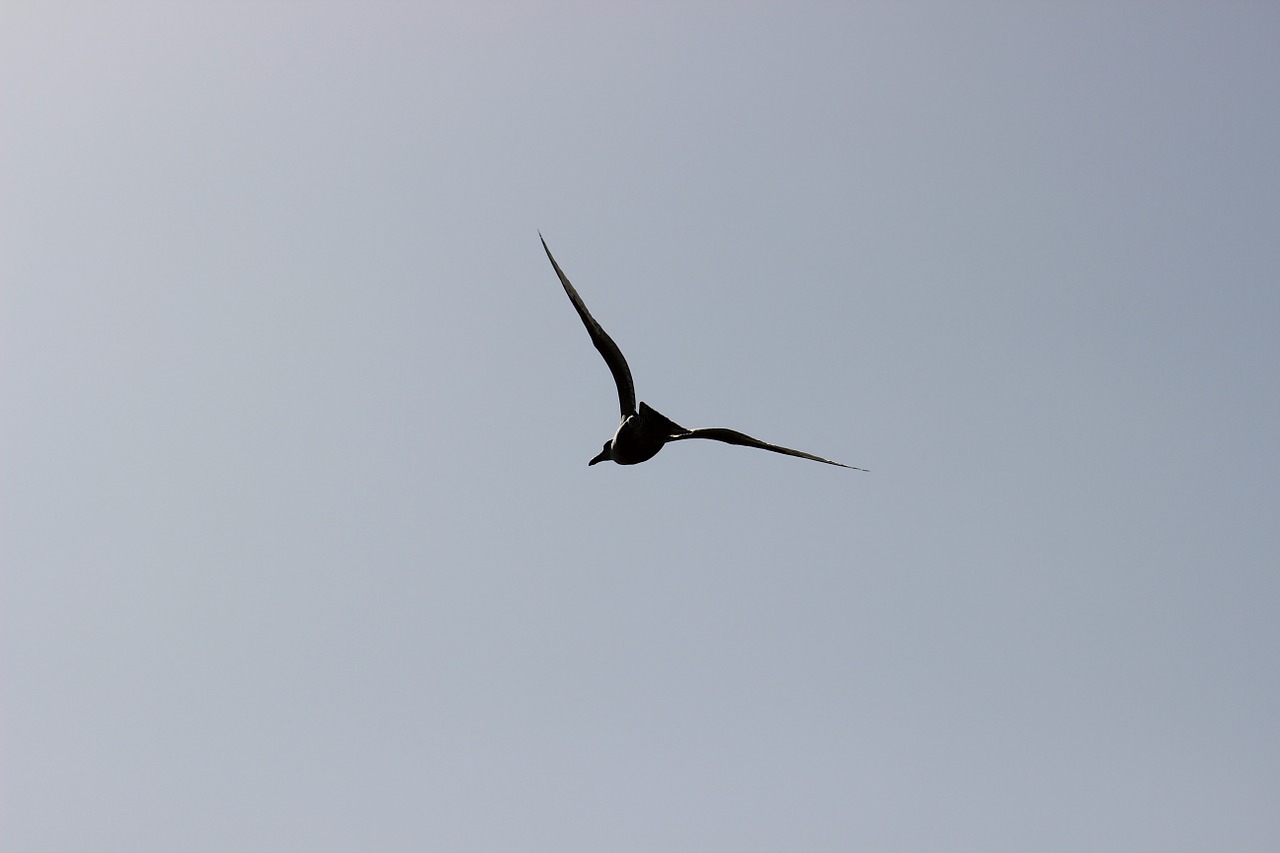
(602, 456)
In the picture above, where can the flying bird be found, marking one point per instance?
(643, 432)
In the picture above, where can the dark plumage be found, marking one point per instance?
(643, 432)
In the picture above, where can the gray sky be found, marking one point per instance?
(300, 548)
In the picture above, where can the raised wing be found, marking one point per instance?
(731, 436)
(604, 343)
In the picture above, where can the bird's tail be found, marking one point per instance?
(653, 416)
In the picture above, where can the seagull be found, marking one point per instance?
(643, 432)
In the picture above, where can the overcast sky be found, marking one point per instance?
(299, 546)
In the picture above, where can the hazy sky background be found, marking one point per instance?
(300, 547)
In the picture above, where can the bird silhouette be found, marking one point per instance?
(643, 431)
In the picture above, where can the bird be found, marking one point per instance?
(643, 431)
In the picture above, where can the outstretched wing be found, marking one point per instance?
(604, 343)
(731, 436)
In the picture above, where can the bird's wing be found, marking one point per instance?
(604, 343)
(731, 436)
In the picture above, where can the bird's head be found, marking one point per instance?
(604, 455)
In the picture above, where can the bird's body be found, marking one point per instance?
(643, 431)
(639, 437)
